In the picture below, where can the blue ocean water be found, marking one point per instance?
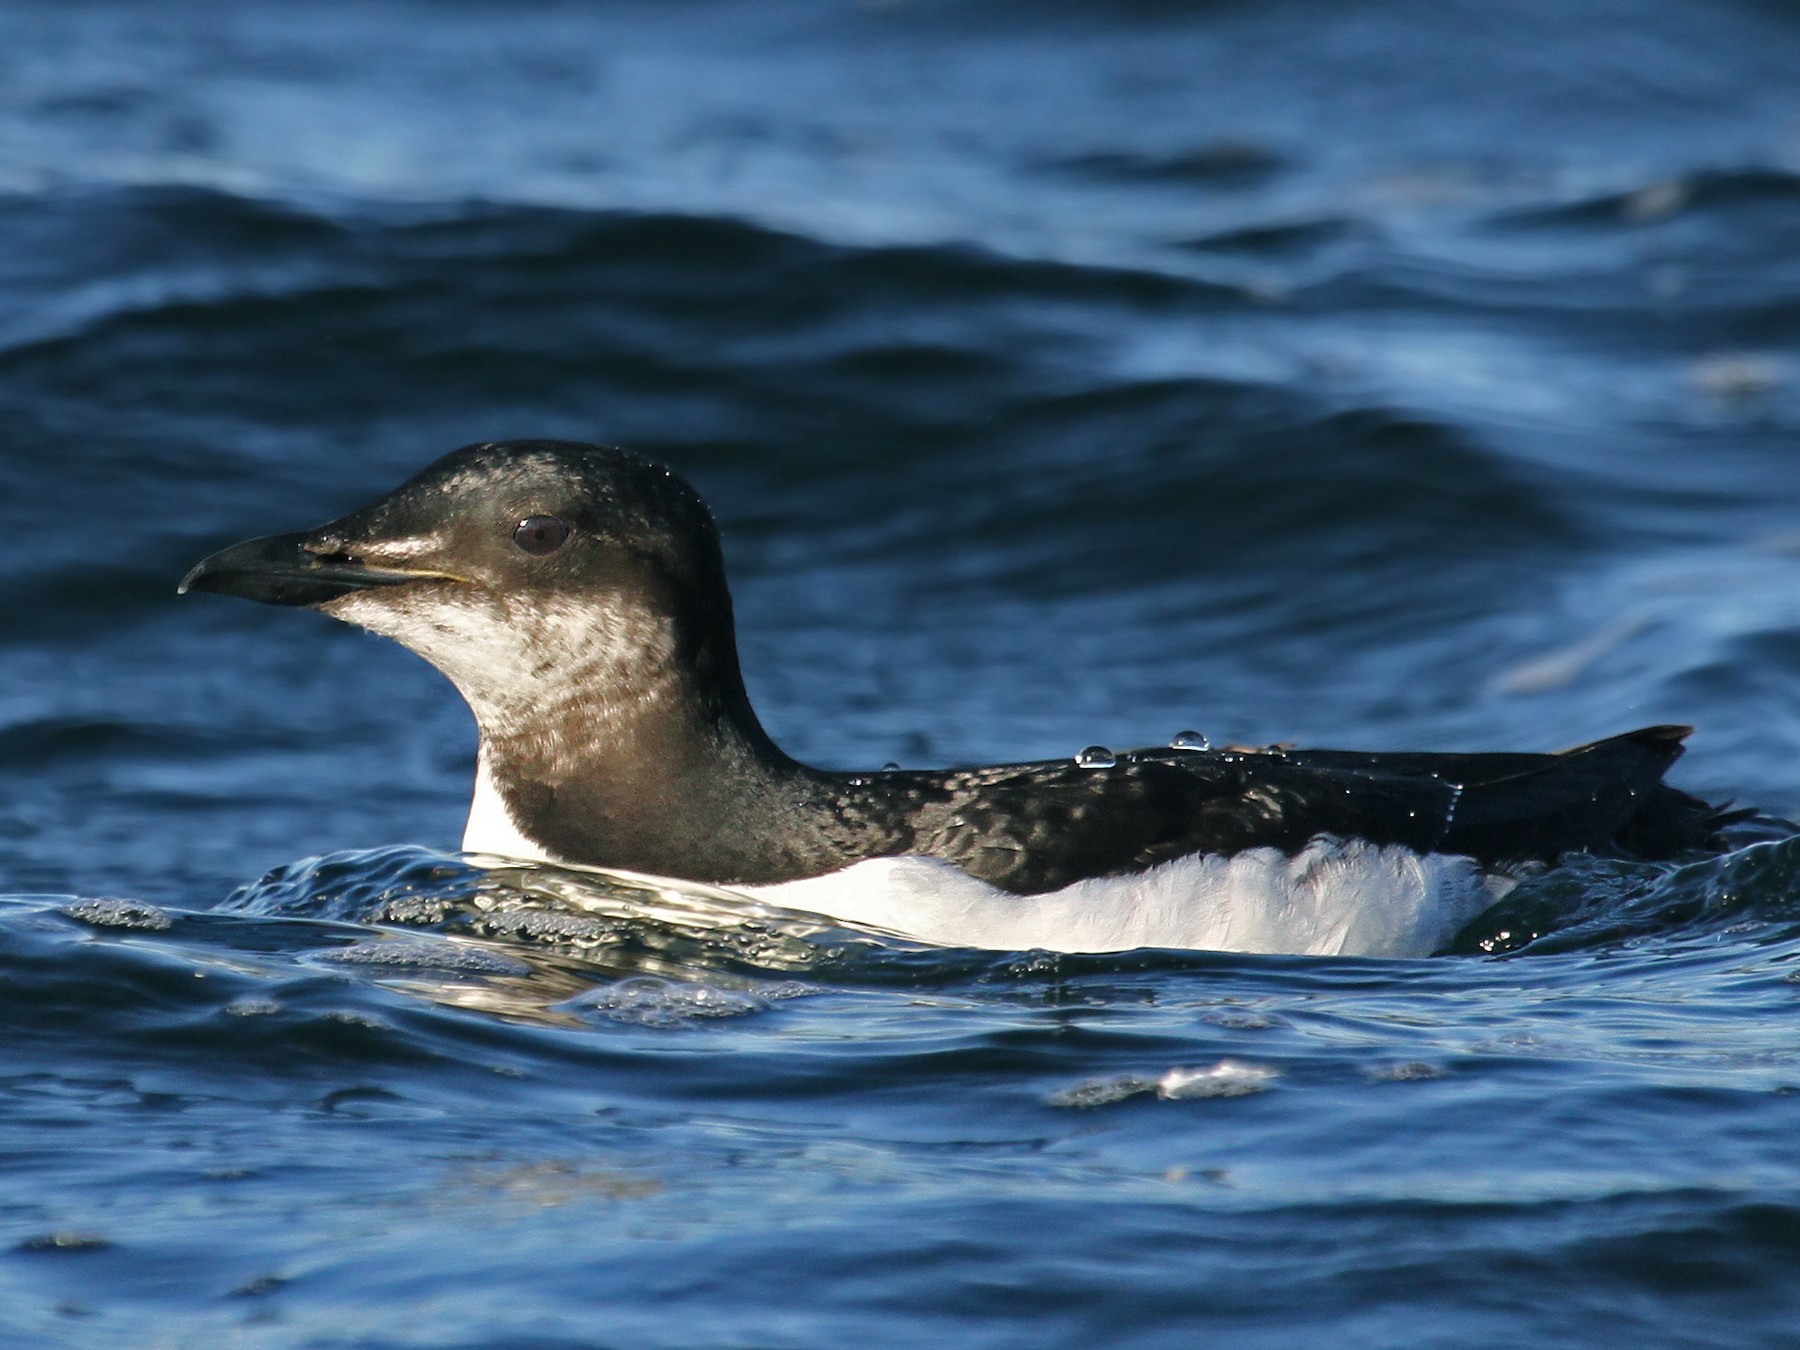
(1388, 374)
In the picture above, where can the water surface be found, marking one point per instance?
(1387, 375)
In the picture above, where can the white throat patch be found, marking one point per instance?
(491, 828)
(504, 653)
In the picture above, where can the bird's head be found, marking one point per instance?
(516, 568)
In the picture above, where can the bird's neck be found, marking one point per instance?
(644, 756)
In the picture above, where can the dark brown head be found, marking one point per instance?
(523, 570)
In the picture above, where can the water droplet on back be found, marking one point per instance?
(1096, 757)
(1189, 740)
(890, 767)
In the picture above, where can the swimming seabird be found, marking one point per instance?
(576, 597)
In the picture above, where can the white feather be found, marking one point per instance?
(1334, 898)
(491, 828)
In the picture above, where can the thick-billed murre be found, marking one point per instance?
(575, 595)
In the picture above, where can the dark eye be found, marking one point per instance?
(540, 534)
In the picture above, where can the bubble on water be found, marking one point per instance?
(1189, 740)
(1408, 1072)
(1102, 1091)
(426, 954)
(651, 1001)
(420, 910)
(119, 914)
(890, 767)
(1096, 757)
(551, 926)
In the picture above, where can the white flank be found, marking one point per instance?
(1334, 898)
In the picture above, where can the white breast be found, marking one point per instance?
(1334, 898)
(491, 828)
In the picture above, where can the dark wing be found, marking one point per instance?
(1607, 796)
(1034, 827)
(1038, 827)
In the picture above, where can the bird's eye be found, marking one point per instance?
(541, 534)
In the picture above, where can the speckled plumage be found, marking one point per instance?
(616, 730)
